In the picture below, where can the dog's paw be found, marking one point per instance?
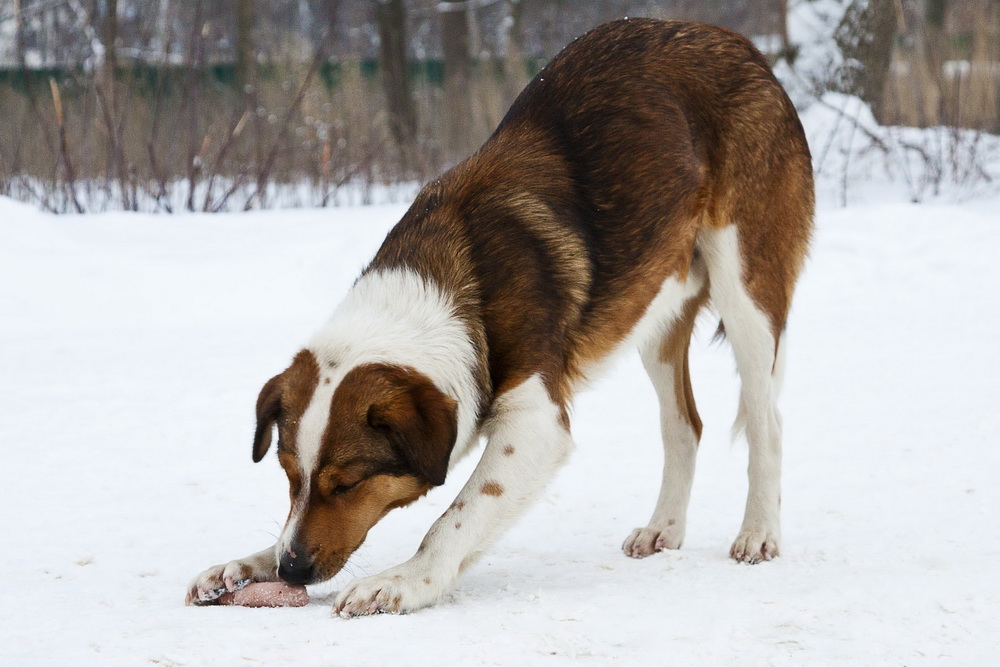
(754, 546)
(211, 584)
(398, 590)
(649, 540)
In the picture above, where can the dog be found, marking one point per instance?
(651, 168)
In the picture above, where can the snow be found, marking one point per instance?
(857, 161)
(132, 347)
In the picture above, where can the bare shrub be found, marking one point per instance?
(854, 155)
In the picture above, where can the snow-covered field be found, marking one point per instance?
(132, 348)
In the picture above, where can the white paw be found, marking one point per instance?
(211, 584)
(649, 540)
(754, 546)
(398, 590)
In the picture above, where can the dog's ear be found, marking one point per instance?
(268, 407)
(420, 421)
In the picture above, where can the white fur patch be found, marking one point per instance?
(749, 332)
(526, 444)
(667, 526)
(664, 308)
(400, 317)
(392, 317)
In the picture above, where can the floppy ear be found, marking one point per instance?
(421, 423)
(268, 407)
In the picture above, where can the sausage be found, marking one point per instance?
(267, 594)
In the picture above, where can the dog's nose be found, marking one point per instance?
(294, 565)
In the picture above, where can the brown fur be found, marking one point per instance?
(557, 234)
(553, 239)
(337, 524)
(674, 351)
(282, 400)
(491, 489)
(407, 409)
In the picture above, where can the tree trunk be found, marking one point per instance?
(246, 57)
(22, 56)
(455, 36)
(246, 75)
(788, 50)
(391, 18)
(976, 98)
(935, 52)
(978, 101)
(515, 69)
(996, 31)
(865, 37)
(109, 36)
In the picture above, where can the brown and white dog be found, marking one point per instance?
(651, 167)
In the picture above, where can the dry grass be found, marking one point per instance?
(192, 142)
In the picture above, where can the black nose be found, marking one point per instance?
(294, 565)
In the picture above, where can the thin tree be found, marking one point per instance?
(457, 70)
(865, 36)
(246, 59)
(391, 18)
(19, 35)
(247, 76)
(109, 37)
(995, 12)
(789, 51)
(977, 106)
(515, 69)
(934, 44)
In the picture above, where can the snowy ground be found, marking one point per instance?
(132, 348)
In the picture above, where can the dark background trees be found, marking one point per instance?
(221, 104)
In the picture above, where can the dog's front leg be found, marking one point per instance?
(208, 586)
(527, 441)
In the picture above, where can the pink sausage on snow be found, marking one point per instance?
(267, 594)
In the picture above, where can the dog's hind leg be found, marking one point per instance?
(752, 333)
(666, 361)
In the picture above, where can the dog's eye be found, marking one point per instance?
(343, 488)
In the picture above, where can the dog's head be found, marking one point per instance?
(355, 443)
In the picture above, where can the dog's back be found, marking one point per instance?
(593, 190)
